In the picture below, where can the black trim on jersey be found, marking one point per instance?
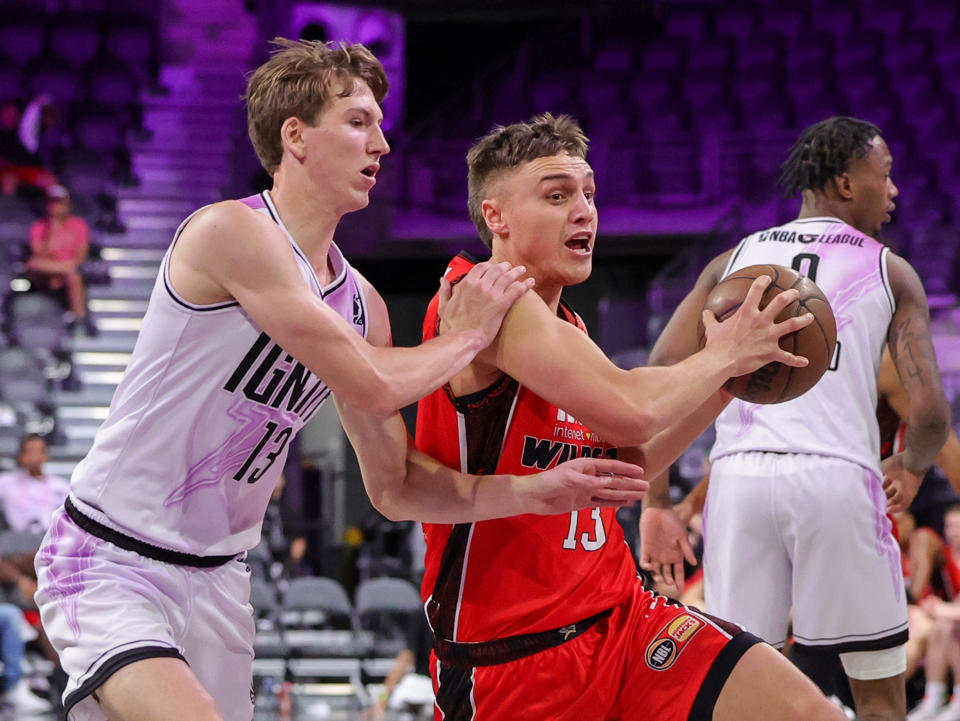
(454, 692)
(345, 271)
(110, 667)
(190, 306)
(736, 254)
(720, 670)
(178, 558)
(511, 648)
(873, 644)
(464, 403)
(888, 291)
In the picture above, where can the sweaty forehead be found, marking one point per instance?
(361, 98)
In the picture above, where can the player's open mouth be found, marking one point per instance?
(371, 170)
(580, 244)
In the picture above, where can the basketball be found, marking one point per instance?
(775, 382)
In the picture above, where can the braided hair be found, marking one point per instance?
(824, 151)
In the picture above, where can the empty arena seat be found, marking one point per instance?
(102, 132)
(35, 320)
(387, 607)
(22, 40)
(76, 40)
(55, 79)
(22, 382)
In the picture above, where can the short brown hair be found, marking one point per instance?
(507, 147)
(297, 81)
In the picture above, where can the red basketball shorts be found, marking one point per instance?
(651, 658)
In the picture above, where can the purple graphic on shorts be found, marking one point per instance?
(886, 545)
(747, 410)
(255, 423)
(62, 577)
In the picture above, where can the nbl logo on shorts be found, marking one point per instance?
(670, 642)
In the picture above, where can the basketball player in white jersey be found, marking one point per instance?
(796, 503)
(255, 319)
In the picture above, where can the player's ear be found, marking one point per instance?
(291, 135)
(844, 185)
(493, 215)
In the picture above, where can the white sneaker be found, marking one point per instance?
(950, 712)
(25, 701)
(926, 710)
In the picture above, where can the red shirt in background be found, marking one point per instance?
(62, 241)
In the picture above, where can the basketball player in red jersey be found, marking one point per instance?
(545, 617)
(796, 489)
(255, 319)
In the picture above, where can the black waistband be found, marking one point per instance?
(504, 650)
(141, 547)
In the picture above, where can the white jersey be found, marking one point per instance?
(837, 417)
(199, 427)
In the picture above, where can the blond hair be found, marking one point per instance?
(299, 80)
(507, 147)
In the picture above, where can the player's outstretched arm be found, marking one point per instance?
(559, 363)
(928, 415)
(404, 483)
(231, 252)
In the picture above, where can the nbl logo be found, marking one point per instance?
(661, 654)
(670, 642)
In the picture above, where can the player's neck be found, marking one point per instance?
(310, 223)
(820, 206)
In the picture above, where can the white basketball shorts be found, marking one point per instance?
(806, 532)
(104, 608)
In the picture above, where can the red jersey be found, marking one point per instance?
(523, 574)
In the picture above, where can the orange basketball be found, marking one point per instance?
(775, 382)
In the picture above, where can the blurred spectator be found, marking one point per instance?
(407, 686)
(28, 496)
(58, 245)
(16, 693)
(285, 534)
(42, 130)
(18, 166)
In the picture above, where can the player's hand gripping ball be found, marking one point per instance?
(775, 382)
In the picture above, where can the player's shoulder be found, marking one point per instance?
(228, 215)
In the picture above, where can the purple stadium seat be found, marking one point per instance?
(690, 24)
(755, 83)
(889, 20)
(614, 54)
(22, 40)
(714, 113)
(839, 21)
(11, 83)
(938, 18)
(861, 49)
(649, 89)
(806, 86)
(112, 86)
(763, 52)
(62, 83)
(132, 42)
(712, 58)
(736, 20)
(552, 93)
(664, 56)
(76, 41)
(767, 113)
(861, 86)
(787, 22)
(811, 51)
(100, 132)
